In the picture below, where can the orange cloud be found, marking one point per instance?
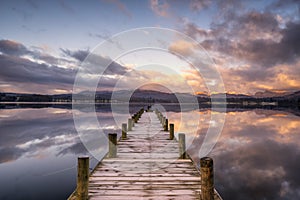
(182, 47)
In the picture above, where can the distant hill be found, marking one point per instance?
(152, 96)
(268, 93)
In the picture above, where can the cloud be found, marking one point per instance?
(10, 47)
(13, 48)
(285, 4)
(182, 47)
(266, 52)
(160, 7)
(198, 5)
(254, 49)
(25, 71)
(194, 31)
(33, 70)
(79, 55)
(250, 79)
(253, 36)
(94, 63)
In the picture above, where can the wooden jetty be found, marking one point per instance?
(146, 163)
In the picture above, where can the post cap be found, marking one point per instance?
(83, 157)
(206, 162)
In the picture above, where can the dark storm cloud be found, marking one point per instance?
(10, 47)
(15, 69)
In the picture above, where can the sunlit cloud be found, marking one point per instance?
(160, 7)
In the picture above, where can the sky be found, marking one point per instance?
(253, 45)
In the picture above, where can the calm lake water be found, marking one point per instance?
(257, 155)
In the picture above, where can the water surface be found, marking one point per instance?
(257, 155)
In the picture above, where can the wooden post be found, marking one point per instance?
(182, 153)
(129, 124)
(166, 124)
(82, 178)
(171, 131)
(112, 137)
(207, 178)
(163, 121)
(124, 131)
(136, 118)
(133, 120)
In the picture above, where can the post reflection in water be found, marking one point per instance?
(257, 155)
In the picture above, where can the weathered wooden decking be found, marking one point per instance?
(146, 167)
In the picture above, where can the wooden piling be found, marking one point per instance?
(133, 120)
(163, 121)
(129, 124)
(171, 131)
(112, 137)
(207, 178)
(166, 124)
(82, 178)
(136, 118)
(181, 142)
(124, 131)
